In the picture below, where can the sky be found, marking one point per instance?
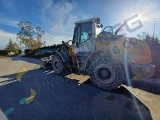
(57, 17)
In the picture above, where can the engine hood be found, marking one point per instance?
(137, 51)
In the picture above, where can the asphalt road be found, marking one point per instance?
(43, 95)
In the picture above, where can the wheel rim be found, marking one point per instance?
(56, 65)
(104, 73)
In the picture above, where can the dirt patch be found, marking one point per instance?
(149, 99)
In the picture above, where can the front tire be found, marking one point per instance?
(58, 65)
(106, 74)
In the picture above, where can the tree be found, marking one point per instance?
(156, 40)
(152, 40)
(148, 38)
(12, 47)
(30, 35)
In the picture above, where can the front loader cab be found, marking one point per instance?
(85, 33)
(82, 33)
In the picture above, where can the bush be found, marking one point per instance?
(19, 51)
(4, 52)
(12, 47)
(27, 51)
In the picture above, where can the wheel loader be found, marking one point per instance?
(108, 58)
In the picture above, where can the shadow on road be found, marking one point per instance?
(149, 84)
(58, 97)
(21, 58)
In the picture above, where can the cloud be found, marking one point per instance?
(55, 39)
(5, 36)
(59, 19)
(9, 22)
(8, 7)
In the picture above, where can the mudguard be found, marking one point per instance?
(97, 54)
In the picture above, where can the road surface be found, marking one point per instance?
(30, 93)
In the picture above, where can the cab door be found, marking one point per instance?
(85, 42)
(83, 36)
(76, 38)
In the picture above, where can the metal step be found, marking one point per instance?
(82, 57)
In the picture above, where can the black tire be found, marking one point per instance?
(106, 74)
(58, 65)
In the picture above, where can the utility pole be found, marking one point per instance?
(154, 29)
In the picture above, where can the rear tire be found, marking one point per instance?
(58, 65)
(106, 74)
